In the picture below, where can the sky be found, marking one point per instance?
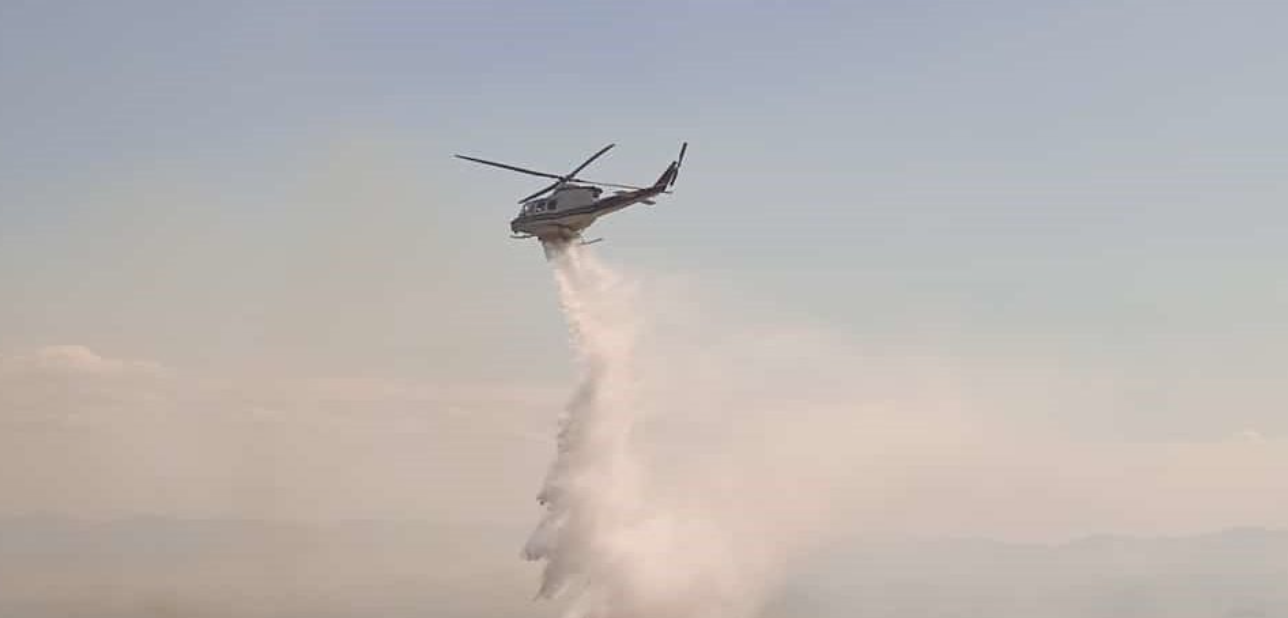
(1048, 234)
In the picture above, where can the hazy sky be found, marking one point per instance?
(1069, 216)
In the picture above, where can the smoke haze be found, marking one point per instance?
(728, 462)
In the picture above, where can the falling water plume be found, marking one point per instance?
(609, 549)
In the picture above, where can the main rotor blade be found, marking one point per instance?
(508, 167)
(563, 179)
(573, 174)
(542, 192)
(605, 184)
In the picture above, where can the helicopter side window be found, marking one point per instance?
(536, 207)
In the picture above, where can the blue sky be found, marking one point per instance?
(1095, 188)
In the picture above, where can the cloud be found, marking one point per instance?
(72, 383)
(80, 359)
(73, 360)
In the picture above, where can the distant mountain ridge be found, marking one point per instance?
(1235, 573)
(232, 568)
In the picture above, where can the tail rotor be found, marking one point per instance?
(679, 161)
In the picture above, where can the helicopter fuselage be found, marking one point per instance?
(570, 209)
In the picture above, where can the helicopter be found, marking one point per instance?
(574, 204)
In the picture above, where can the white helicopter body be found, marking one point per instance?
(574, 204)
